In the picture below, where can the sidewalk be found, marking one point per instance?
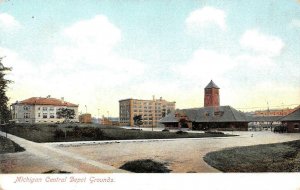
(40, 157)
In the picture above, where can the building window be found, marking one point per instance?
(52, 115)
(51, 108)
(45, 115)
(26, 108)
(39, 108)
(26, 115)
(45, 109)
(39, 114)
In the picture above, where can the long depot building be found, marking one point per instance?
(211, 116)
(151, 110)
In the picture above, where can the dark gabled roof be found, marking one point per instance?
(264, 118)
(208, 114)
(170, 118)
(294, 116)
(211, 84)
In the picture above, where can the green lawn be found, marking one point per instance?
(279, 157)
(57, 133)
(8, 146)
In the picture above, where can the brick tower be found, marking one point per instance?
(211, 95)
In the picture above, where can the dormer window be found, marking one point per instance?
(218, 113)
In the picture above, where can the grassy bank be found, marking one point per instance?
(279, 157)
(65, 133)
(8, 146)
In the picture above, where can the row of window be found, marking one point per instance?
(43, 115)
(27, 108)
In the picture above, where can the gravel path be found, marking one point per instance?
(182, 155)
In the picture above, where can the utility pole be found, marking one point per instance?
(152, 123)
(98, 116)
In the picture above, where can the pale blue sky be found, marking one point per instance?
(95, 53)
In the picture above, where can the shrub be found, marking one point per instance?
(145, 166)
(181, 132)
(58, 133)
(53, 125)
(56, 172)
(99, 133)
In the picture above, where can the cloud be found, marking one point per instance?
(8, 22)
(84, 67)
(97, 32)
(205, 65)
(295, 23)
(261, 43)
(91, 43)
(204, 18)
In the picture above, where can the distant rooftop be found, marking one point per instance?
(294, 116)
(211, 84)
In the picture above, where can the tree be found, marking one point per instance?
(138, 120)
(4, 111)
(65, 113)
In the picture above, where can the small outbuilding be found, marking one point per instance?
(292, 121)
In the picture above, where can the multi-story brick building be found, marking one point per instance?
(85, 118)
(41, 110)
(151, 110)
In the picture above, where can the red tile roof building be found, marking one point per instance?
(41, 110)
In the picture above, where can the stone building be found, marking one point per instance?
(292, 121)
(207, 118)
(41, 110)
(210, 117)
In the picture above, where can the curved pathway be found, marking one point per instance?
(40, 157)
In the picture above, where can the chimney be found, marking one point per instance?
(62, 100)
(160, 98)
(153, 97)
